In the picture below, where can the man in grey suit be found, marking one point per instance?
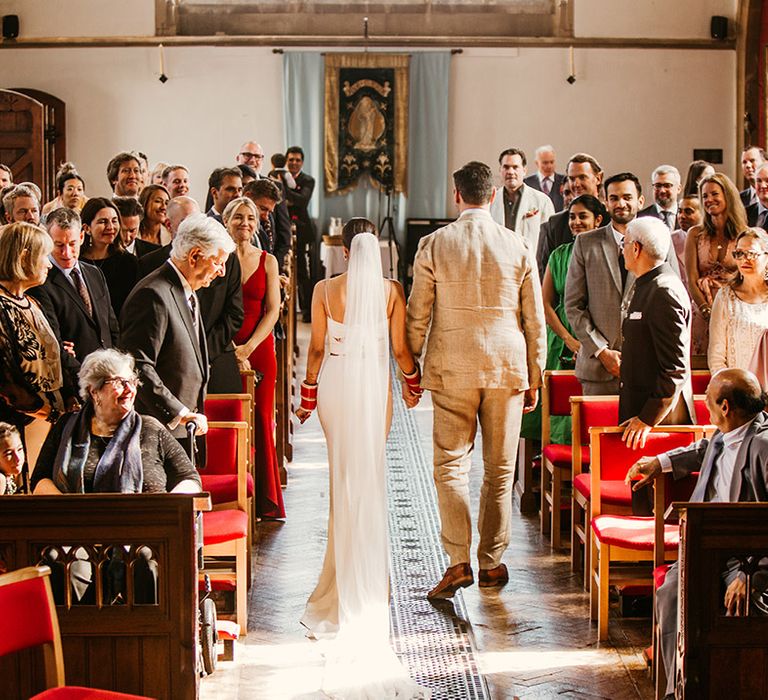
(733, 467)
(161, 326)
(476, 290)
(596, 287)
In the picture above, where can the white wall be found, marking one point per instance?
(631, 108)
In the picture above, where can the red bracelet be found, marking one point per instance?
(413, 380)
(308, 396)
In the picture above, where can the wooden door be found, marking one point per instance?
(22, 127)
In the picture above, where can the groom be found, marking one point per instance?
(477, 284)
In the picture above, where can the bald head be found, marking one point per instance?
(734, 397)
(179, 208)
(251, 153)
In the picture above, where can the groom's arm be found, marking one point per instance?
(419, 310)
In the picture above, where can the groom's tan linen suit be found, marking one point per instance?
(476, 302)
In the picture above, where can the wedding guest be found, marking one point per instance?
(12, 458)
(131, 213)
(697, 171)
(6, 176)
(709, 260)
(103, 248)
(175, 179)
(124, 174)
(70, 190)
(156, 178)
(688, 215)
(255, 346)
(740, 310)
(22, 203)
(153, 229)
(106, 446)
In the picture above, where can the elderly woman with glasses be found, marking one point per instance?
(740, 310)
(107, 446)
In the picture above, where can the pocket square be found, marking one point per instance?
(635, 315)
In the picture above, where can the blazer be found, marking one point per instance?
(477, 286)
(593, 298)
(655, 355)
(554, 194)
(141, 247)
(753, 212)
(297, 200)
(652, 210)
(553, 234)
(747, 196)
(171, 358)
(152, 260)
(749, 482)
(221, 308)
(527, 223)
(66, 313)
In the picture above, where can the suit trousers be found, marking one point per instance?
(456, 414)
(609, 388)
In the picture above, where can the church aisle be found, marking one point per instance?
(533, 637)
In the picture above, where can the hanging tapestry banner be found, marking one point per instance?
(366, 121)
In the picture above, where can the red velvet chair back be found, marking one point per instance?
(561, 387)
(221, 448)
(702, 412)
(616, 458)
(224, 409)
(26, 613)
(700, 381)
(603, 412)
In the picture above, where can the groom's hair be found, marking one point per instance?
(474, 182)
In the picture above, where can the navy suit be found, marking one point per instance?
(554, 193)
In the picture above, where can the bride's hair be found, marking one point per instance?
(354, 226)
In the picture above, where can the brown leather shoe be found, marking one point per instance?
(455, 577)
(497, 576)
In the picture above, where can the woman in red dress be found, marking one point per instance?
(255, 346)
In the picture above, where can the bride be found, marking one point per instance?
(361, 314)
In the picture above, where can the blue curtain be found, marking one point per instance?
(304, 103)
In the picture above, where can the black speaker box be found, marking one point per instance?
(719, 27)
(10, 26)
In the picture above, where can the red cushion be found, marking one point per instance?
(224, 409)
(561, 388)
(660, 575)
(617, 458)
(26, 616)
(699, 382)
(560, 455)
(632, 532)
(224, 526)
(615, 493)
(223, 487)
(77, 693)
(595, 414)
(702, 412)
(221, 448)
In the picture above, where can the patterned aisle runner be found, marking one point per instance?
(436, 644)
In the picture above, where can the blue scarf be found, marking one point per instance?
(120, 469)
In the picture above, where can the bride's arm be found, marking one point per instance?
(271, 311)
(315, 353)
(400, 349)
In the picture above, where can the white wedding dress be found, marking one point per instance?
(350, 604)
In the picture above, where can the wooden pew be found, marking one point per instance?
(719, 656)
(147, 643)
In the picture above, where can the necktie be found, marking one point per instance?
(546, 185)
(717, 450)
(193, 308)
(669, 218)
(82, 290)
(623, 269)
(761, 219)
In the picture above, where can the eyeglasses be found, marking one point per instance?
(255, 156)
(121, 383)
(663, 185)
(747, 254)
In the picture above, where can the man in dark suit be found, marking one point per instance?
(265, 194)
(224, 185)
(584, 177)
(75, 298)
(757, 213)
(131, 212)
(545, 179)
(298, 207)
(179, 208)
(163, 329)
(752, 157)
(666, 193)
(733, 467)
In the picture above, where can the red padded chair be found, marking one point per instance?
(588, 412)
(631, 540)
(29, 620)
(700, 380)
(559, 386)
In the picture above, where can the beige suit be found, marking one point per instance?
(476, 294)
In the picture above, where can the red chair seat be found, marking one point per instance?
(560, 455)
(76, 693)
(660, 575)
(632, 532)
(224, 526)
(223, 487)
(615, 493)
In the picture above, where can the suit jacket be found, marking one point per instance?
(554, 193)
(652, 210)
(66, 313)
(750, 475)
(215, 215)
(747, 196)
(655, 354)
(593, 298)
(152, 260)
(221, 308)
(171, 358)
(477, 286)
(753, 211)
(141, 247)
(298, 205)
(526, 223)
(553, 234)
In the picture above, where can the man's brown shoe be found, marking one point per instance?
(497, 576)
(455, 577)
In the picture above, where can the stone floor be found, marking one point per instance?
(533, 637)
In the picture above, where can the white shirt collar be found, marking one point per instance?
(733, 438)
(474, 210)
(187, 289)
(617, 236)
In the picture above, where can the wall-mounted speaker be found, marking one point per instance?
(719, 27)
(10, 26)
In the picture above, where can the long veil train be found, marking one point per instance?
(350, 605)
